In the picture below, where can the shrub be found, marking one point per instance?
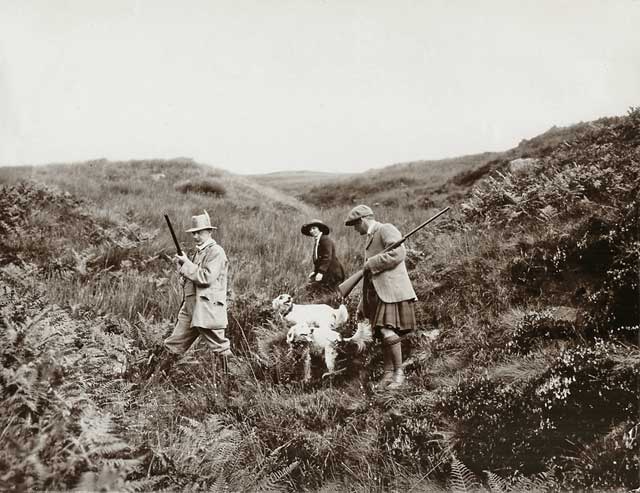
(205, 186)
(529, 425)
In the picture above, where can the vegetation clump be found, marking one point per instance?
(205, 187)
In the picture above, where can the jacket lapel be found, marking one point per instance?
(370, 236)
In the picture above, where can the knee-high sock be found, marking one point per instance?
(392, 349)
(396, 354)
(387, 358)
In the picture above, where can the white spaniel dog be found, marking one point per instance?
(292, 313)
(315, 326)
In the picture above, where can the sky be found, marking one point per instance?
(325, 85)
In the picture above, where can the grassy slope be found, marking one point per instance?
(293, 182)
(420, 183)
(508, 386)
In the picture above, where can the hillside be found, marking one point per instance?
(418, 183)
(523, 376)
(295, 183)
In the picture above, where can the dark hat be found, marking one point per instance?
(358, 212)
(315, 222)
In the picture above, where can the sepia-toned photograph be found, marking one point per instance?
(320, 246)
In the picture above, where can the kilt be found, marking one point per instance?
(399, 316)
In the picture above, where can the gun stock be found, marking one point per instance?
(173, 235)
(346, 286)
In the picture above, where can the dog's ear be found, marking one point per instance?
(339, 316)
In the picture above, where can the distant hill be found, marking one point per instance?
(297, 182)
(422, 183)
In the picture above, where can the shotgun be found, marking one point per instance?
(348, 284)
(173, 235)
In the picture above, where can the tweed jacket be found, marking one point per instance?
(389, 272)
(326, 262)
(208, 273)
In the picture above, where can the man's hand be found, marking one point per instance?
(311, 275)
(181, 259)
(319, 276)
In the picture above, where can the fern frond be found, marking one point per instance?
(146, 484)
(107, 449)
(496, 483)
(462, 479)
(270, 481)
(125, 465)
(220, 484)
(538, 483)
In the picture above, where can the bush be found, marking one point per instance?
(204, 187)
(529, 426)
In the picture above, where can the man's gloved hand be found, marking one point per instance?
(319, 276)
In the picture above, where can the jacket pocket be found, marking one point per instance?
(216, 296)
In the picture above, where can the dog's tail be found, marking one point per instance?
(363, 335)
(341, 315)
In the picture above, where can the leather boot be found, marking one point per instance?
(398, 379)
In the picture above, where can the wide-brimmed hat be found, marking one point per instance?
(358, 212)
(198, 223)
(305, 229)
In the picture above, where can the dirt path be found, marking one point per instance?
(274, 195)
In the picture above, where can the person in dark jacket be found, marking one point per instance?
(327, 270)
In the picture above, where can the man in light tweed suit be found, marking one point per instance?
(387, 294)
(204, 307)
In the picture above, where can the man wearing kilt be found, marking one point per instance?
(387, 294)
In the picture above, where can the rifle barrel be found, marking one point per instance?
(173, 235)
(404, 238)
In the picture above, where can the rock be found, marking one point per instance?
(522, 165)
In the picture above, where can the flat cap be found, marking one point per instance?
(359, 211)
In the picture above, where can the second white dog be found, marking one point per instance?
(322, 339)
